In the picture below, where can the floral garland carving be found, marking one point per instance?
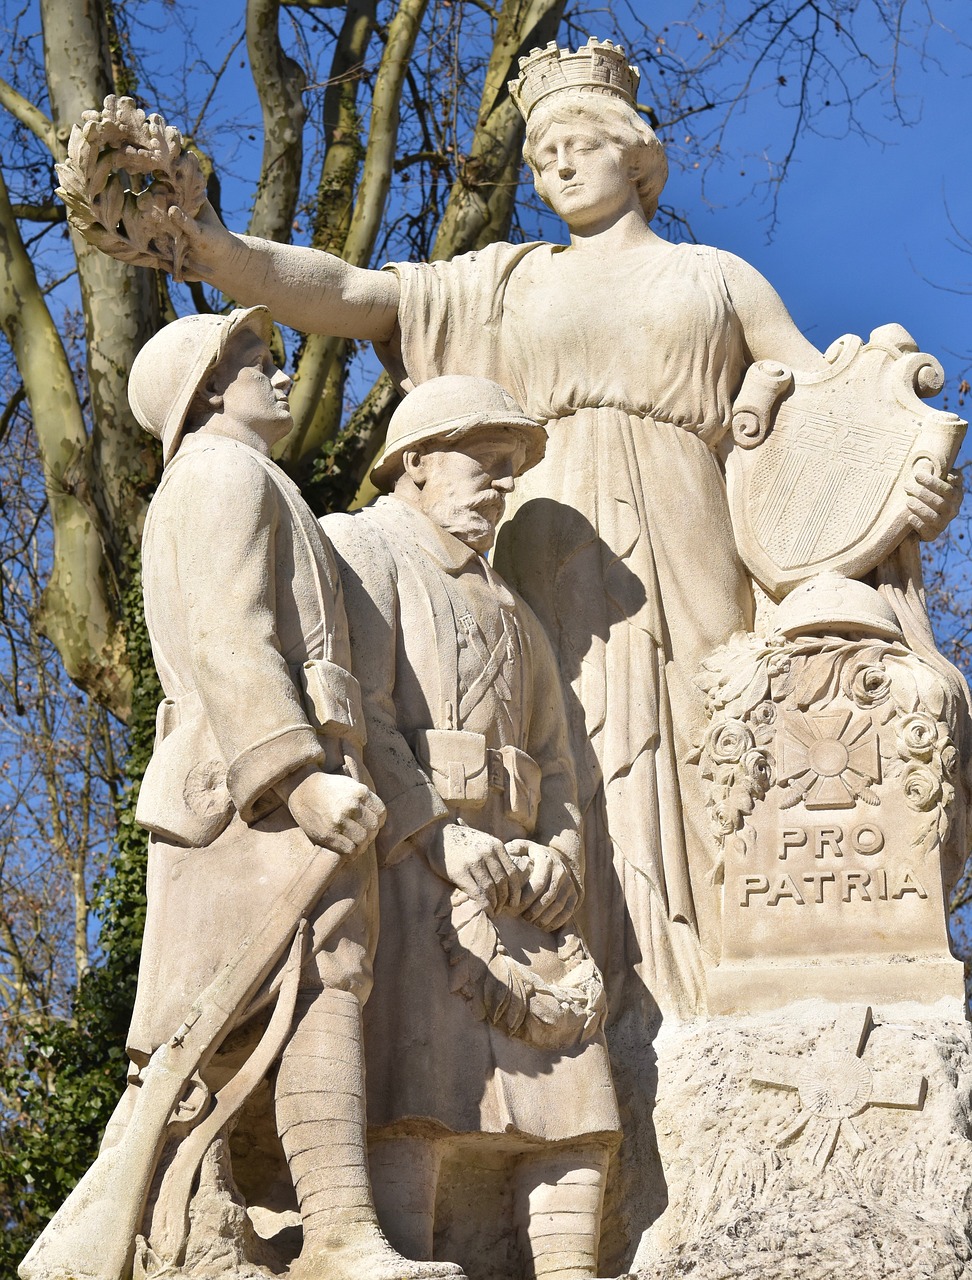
(750, 683)
(130, 223)
(509, 994)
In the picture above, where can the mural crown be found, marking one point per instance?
(598, 67)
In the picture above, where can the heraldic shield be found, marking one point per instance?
(819, 461)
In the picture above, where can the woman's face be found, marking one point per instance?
(583, 175)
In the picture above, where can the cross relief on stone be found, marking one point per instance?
(835, 1084)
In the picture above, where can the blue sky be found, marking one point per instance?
(862, 236)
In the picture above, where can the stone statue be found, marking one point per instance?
(261, 881)
(630, 350)
(758, 735)
(483, 1035)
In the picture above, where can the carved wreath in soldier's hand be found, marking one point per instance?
(121, 143)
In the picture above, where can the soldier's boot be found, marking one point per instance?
(320, 1113)
(558, 1198)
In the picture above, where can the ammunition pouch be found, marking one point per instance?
(332, 700)
(464, 771)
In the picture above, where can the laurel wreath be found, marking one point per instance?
(508, 993)
(121, 144)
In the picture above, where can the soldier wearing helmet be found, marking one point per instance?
(482, 1034)
(257, 764)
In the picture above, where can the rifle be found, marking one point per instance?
(92, 1235)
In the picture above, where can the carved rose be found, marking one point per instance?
(921, 787)
(917, 735)
(949, 759)
(759, 771)
(728, 742)
(867, 684)
(764, 713)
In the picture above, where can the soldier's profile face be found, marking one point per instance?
(254, 390)
(463, 487)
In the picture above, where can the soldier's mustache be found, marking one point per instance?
(489, 504)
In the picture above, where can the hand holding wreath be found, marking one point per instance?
(550, 895)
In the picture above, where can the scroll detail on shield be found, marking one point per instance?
(819, 462)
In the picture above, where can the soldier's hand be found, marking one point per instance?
(550, 895)
(332, 810)
(933, 502)
(477, 863)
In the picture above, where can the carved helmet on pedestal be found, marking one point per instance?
(829, 603)
(172, 366)
(446, 409)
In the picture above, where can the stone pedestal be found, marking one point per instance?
(817, 1141)
(817, 1124)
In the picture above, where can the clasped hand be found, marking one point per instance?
(523, 878)
(549, 896)
(332, 810)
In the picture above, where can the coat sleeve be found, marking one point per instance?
(229, 513)
(370, 579)
(548, 742)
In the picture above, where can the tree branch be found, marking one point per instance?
(479, 211)
(342, 128)
(29, 115)
(481, 201)
(40, 212)
(316, 398)
(77, 611)
(280, 82)
(369, 207)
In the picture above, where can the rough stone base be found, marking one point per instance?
(819, 1141)
(804, 1237)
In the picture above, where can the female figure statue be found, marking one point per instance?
(630, 349)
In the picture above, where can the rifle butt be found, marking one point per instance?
(92, 1235)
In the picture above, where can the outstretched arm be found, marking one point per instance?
(306, 289)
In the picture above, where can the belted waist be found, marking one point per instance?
(184, 794)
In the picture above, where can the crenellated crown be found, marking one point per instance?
(599, 67)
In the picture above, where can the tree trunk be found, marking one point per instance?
(121, 303)
(78, 611)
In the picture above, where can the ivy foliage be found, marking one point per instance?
(72, 1072)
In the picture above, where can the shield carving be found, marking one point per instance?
(819, 462)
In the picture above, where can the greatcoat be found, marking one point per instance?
(245, 615)
(447, 656)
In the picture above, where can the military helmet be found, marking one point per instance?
(829, 603)
(172, 366)
(446, 409)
